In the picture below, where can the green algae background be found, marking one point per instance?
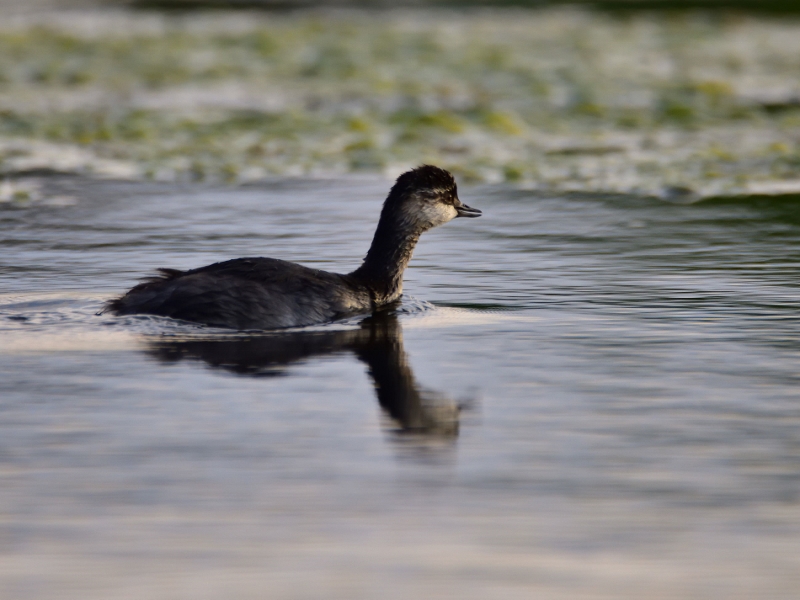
(680, 105)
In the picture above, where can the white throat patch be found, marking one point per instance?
(434, 214)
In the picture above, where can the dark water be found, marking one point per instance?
(583, 397)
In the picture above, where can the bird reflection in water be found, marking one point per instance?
(378, 343)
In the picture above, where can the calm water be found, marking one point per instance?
(581, 397)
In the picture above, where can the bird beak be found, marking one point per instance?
(466, 211)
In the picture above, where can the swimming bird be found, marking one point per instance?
(268, 293)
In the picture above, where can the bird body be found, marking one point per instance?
(268, 293)
(248, 293)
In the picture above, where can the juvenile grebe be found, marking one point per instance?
(267, 293)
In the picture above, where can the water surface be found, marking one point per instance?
(581, 396)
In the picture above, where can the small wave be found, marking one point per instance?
(413, 306)
(480, 306)
(790, 201)
(45, 310)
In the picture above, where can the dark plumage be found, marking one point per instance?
(267, 293)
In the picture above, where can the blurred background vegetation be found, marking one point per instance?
(747, 5)
(672, 102)
(788, 6)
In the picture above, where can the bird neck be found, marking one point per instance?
(388, 257)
